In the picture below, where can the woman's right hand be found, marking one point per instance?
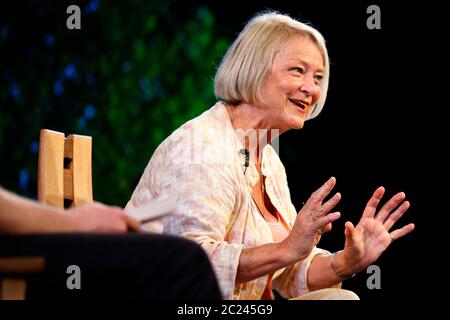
(312, 220)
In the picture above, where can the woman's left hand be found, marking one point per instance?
(368, 240)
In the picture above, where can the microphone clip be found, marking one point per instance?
(246, 153)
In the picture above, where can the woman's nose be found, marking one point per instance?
(309, 87)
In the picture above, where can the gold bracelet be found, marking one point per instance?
(340, 273)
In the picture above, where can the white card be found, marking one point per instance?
(153, 210)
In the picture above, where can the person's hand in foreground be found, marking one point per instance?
(97, 217)
(19, 215)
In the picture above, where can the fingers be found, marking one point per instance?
(327, 228)
(396, 234)
(124, 221)
(324, 225)
(330, 204)
(397, 214)
(321, 223)
(320, 194)
(389, 206)
(319, 214)
(371, 207)
(132, 223)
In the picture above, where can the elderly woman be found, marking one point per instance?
(231, 187)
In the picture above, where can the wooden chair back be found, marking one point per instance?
(64, 169)
(64, 180)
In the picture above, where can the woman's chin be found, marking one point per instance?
(297, 124)
(293, 122)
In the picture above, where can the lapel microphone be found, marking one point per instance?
(246, 153)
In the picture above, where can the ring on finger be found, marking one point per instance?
(392, 237)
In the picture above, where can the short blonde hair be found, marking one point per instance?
(249, 59)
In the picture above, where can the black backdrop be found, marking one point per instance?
(383, 124)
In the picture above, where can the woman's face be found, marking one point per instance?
(292, 87)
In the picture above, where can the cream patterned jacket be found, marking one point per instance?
(200, 166)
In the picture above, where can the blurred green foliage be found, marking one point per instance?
(134, 72)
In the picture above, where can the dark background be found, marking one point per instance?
(138, 69)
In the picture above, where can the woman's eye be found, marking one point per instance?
(318, 78)
(298, 69)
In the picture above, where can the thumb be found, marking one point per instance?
(349, 233)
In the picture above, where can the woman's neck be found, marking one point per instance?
(252, 125)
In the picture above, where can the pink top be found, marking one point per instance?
(279, 229)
